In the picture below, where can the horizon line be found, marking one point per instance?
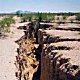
(5, 12)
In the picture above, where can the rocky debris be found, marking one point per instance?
(60, 53)
(26, 62)
(54, 54)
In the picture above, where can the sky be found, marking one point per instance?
(40, 5)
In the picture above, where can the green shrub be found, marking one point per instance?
(5, 24)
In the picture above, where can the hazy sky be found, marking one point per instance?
(40, 5)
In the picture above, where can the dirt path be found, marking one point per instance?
(8, 49)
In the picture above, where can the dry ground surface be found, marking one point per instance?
(69, 39)
(8, 52)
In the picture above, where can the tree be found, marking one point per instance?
(19, 13)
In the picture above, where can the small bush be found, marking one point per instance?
(5, 24)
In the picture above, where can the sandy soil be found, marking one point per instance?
(8, 52)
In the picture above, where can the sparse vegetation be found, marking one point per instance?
(5, 24)
(40, 39)
(44, 16)
(49, 17)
